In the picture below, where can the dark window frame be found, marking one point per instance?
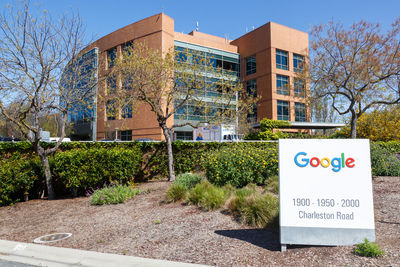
(283, 88)
(281, 107)
(251, 65)
(280, 56)
(300, 111)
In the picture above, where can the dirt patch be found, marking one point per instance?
(146, 227)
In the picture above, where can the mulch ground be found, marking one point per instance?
(147, 227)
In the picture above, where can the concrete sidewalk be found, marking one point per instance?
(40, 255)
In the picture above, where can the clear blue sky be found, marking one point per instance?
(223, 18)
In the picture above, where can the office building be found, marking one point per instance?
(265, 59)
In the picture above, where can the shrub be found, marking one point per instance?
(260, 210)
(207, 196)
(384, 161)
(176, 192)
(253, 208)
(82, 169)
(237, 203)
(113, 194)
(188, 180)
(368, 249)
(17, 177)
(380, 125)
(241, 165)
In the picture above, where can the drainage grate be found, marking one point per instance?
(51, 238)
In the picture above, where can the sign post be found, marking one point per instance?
(325, 192)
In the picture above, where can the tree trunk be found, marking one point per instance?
(47, 174)
(171, 171)
(353, 128)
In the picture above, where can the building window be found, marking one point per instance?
(299, 88)
(111, 85)
(127, 83)
(126, 135)
(184, 135)
(126, 112)
(300, 111)
(281, 59)
(111, 56)
(111, 110)
(251, 89)
(298, 61)
(282, 84)
(126, 48)
(251, 65)
(283, 110)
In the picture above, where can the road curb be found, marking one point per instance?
(41, 255)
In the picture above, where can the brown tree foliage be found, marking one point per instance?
(357, 68)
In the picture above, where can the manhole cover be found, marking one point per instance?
(52, 238)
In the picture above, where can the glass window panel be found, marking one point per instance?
(298, 62)
(251, 65)
(111, 56)
(281, 59)
(126, 135)
(111, 85)
(127, 111)
(282, 84)
(111, 110)
(300, 111)
(283, 110)
(299, 88)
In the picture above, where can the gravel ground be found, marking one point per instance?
(147, 227)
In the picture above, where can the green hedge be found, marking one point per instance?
(80, 169)
(91, 164)
(18, 175)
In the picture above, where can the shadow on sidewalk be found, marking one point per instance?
(264, 238)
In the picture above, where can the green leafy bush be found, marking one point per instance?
(385, 161)
(241, 165)
(82, 169)
(176, 192)
(368, 249)
(113, 194)
(188, 180)
(18, 174)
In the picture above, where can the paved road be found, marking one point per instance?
(4, 263)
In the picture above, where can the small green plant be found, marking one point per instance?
(207, 196)
(188, 180)
(368, 249)
(124, 252)
(158, 221)
(253, 208)
(260, 210)
(100, 241)
(175, 192)
(113, 194)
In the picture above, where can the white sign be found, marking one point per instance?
(325, 191)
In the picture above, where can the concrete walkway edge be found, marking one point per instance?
(41, 255)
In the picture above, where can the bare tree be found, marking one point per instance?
(35, 51)
(357, 68)
(178, 86)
